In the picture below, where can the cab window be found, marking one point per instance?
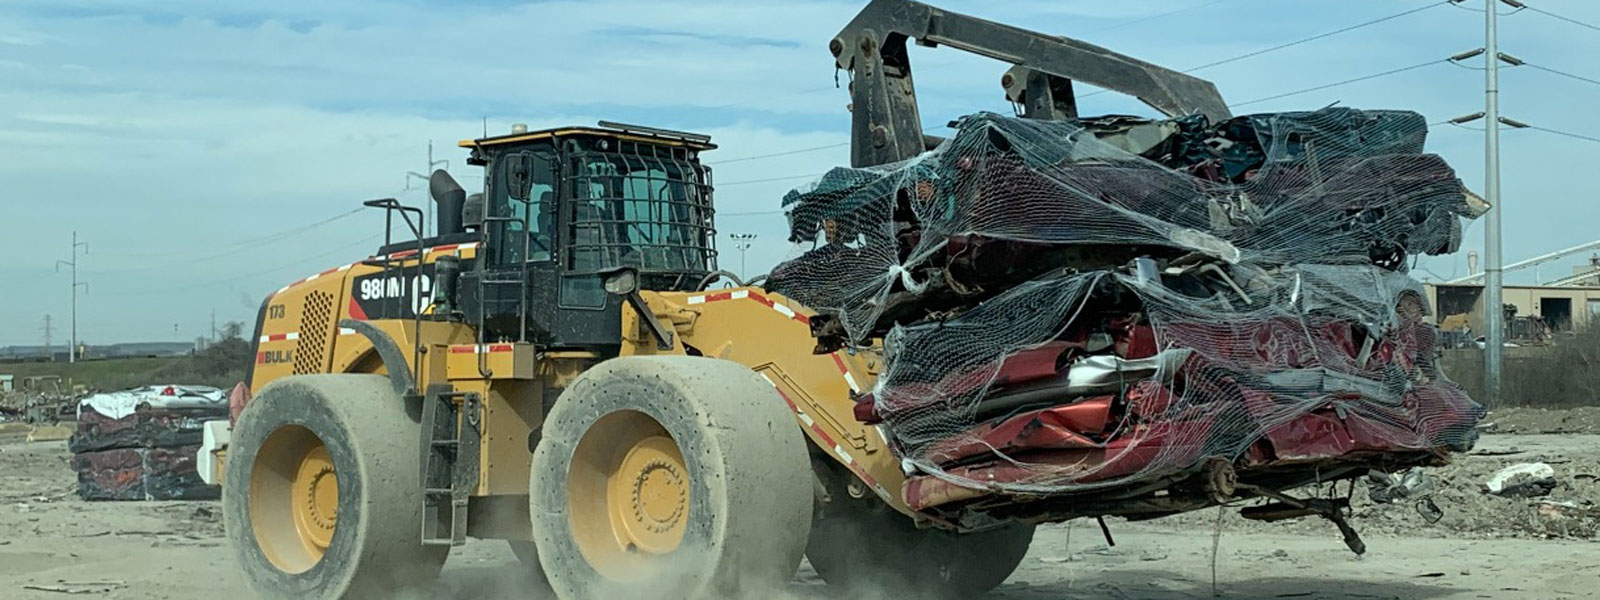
(525, 191)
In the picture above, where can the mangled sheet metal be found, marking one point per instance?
(141, 474)
(140, 444)
(158, 416)
(1075, 305)
(117, 405)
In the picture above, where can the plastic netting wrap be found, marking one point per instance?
(1071, 304)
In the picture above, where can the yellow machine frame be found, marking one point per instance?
(301, 333)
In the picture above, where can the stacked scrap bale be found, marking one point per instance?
(1075, 305)
(140, 444)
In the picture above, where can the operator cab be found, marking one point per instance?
(562, 208)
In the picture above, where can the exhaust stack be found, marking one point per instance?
(451, 199)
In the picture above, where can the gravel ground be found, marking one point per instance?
(52, 544)
(1541, 420)
(1469, 512)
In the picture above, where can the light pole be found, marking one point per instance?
(72, 351)
(742, 241)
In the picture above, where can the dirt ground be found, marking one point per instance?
(53, 545)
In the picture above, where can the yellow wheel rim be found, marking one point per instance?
(627, 494)
(315, 497)
(294, 499)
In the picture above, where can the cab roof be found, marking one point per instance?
(637, 133)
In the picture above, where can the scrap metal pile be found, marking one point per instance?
(1067, 306)
(141, 444)
(40, 400)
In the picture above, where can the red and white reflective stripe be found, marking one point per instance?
(480, 348)
(402, 254)
(848, 378)
(826, 441)
(750, 295)
(295, 335)
(783, 310)
(339, 269)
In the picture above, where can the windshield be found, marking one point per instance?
(651, 212)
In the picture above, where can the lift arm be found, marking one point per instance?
(885, 124)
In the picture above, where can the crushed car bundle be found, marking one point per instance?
(1130, 304)
(140, 444)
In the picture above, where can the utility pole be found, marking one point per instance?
(425, 175)
(1493, 269)
(1494, 316)
(742, 241)
(213, 325)
(72, 351)
(49, 334)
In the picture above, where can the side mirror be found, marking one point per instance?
(624, 282)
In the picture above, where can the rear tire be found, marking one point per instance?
(670, 477)
(862, 547)
(528, 556)
(322, 493)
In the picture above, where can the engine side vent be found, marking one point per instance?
(309, 350)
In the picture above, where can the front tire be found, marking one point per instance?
(322, 494)
(670, 477)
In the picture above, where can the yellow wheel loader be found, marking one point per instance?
(551, 367)
(552, 372)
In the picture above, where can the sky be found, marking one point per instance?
(201, 148)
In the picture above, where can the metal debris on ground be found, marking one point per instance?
(1527, 480)
(1390, 487)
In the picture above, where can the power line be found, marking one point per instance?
(271, 237)
(1340, 83)
(1564, 133)
(1316, 37)
(1457, 4)
(250, 245)
(1563, 73)
(1298, 42)
(771, 179)
(785, 153)
(255, 272)
(1564, 18)
(1154, 17)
